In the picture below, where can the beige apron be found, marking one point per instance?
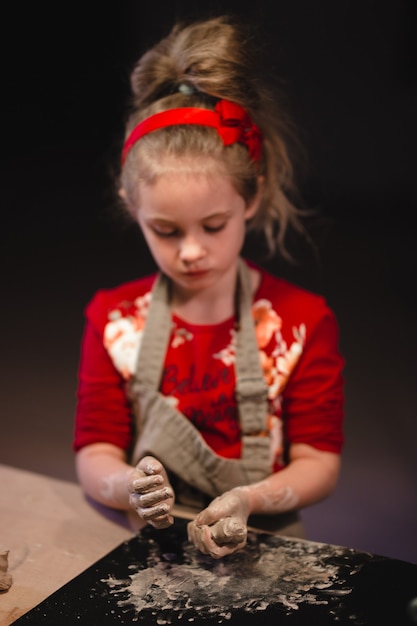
(164, 432)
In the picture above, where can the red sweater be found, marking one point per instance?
(298, 342)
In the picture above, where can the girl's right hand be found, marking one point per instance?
(151, 494)
(221, 528)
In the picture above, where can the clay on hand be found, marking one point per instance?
(151, 494)
(229, 531)
(224, 537)
(221, 529)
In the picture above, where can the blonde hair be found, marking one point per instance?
(193, 66)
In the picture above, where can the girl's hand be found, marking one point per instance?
(221, 528)
(151, 495)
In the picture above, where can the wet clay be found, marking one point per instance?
(173, 587)
(5, 578)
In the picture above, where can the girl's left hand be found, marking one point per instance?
(221, 528)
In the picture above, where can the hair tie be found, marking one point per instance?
(232, 122)
(186, 89)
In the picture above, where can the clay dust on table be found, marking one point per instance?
(289, 574)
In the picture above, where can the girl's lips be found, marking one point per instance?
(196, 273)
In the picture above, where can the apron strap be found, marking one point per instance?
(251, 387)
(158, 328)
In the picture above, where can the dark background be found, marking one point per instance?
(348, 71)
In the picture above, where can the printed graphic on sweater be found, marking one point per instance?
(215, 413)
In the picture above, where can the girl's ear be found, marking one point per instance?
(122, 194)
(253, 205)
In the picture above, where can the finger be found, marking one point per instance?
(153, 497)
(162, 522)
(205, 518)
(218, 552)
(146, 484)
(218, 508)
(154, 512)
(151, 500)
(196, 536)
(150, 465)
(158, 516)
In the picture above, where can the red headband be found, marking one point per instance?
(231, 121)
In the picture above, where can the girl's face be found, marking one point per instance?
(194, 225)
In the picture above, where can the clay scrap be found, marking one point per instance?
(5, 578)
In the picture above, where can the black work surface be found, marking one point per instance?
(158, 577)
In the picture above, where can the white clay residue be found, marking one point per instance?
(288, 573)
(109, 486)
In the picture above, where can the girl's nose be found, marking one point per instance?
(191, 250)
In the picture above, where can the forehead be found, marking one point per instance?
(188, 194)
(185, 165)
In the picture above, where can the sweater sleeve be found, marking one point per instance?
(313, 399)
(103, 412)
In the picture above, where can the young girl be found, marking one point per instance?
(212, 384)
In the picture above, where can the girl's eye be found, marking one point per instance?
(165, 233)
(214, 229)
